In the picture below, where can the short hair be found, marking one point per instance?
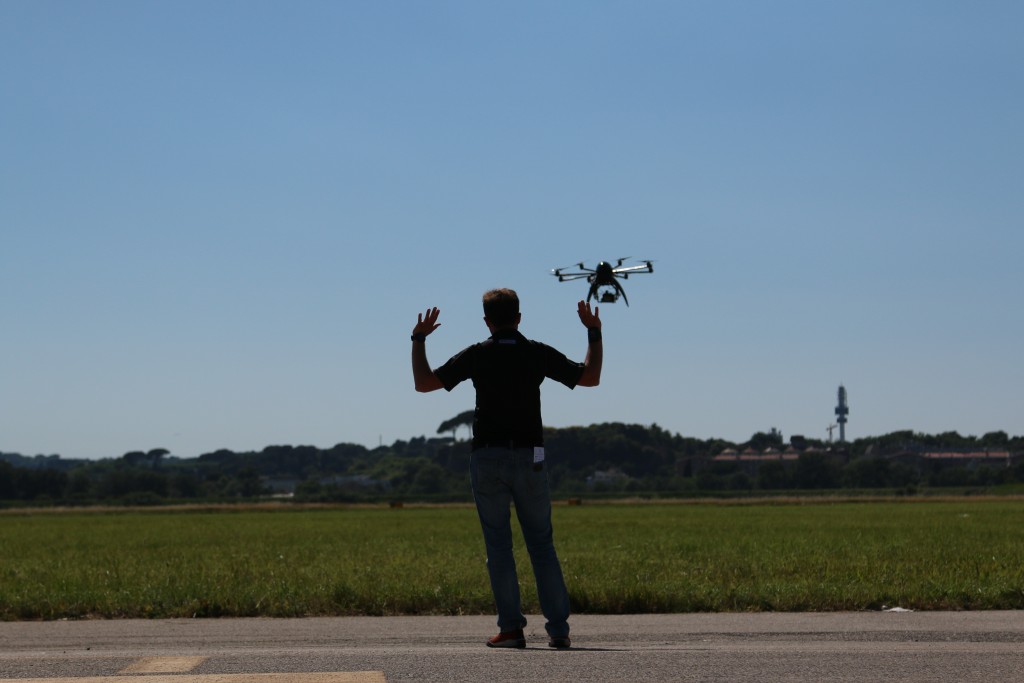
(501, 307)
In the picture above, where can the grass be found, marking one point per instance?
(616, 558)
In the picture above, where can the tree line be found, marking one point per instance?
(603, 459)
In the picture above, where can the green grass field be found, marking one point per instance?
(617, 559)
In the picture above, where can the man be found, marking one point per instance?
(507, 463)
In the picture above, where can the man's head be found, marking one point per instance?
(501, 309)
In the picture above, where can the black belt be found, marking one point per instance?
(510, 444)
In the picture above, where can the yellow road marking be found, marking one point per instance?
(163, 665)
(332, 677)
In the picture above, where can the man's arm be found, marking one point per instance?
(422, 375)
(591, 376)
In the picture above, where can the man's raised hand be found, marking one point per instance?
(588, 318)
(427, 322)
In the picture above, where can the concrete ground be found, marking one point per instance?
(862, 646)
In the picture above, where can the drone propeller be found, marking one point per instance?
(645, 266)
(579, 265)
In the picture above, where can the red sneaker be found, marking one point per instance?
(508, 639)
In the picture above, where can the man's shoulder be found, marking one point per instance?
(536, 343)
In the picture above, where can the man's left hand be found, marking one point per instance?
(589, 319)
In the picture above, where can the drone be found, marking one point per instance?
(603, 280)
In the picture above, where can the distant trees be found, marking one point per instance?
(20, 483)
(761, 441)
(151, 459)
(602, 459)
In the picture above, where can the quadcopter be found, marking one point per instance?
(603, 282)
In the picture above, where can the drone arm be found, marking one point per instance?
(625, 272)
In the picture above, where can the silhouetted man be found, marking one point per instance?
(507, 463)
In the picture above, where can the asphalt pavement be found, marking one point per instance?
(966, 647)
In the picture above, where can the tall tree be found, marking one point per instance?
(464, 419)
(156, 455)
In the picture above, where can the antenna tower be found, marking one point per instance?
(842, 410)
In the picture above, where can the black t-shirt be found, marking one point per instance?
(507, 371)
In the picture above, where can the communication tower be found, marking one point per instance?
(842, 410)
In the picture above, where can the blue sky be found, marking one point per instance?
(218, 220)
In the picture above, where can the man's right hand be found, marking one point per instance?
(423, 377)
(427, 322)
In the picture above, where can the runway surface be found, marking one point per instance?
(805, 647)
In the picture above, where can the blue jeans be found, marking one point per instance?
(502, 476)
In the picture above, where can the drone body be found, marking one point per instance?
(604, 280)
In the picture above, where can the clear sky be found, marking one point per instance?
(218, 220)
